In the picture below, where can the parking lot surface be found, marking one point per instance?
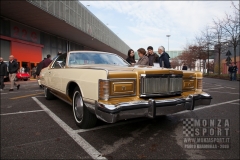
(35, 128)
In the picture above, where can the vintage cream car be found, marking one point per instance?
(104, 86)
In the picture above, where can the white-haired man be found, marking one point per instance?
(163, 58)
(12, 68)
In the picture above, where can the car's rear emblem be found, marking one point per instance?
(123, 88)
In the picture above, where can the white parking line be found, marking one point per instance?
(10, 92)
(209, 106)
(76, 137)
(20, 112)
(109, 125)
(23, 91)
(230, 87)
(235, 103)
(224, 92)
(214, 88)
(217, 104)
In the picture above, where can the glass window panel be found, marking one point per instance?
(78, 58)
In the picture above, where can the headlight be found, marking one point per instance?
(116, 88)
(103, 90)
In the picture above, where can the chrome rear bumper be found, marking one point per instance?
(149, 108)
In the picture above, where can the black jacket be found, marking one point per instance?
(13, 67)
(230, 69)
(3, 69)
(234, 69)
(39, 67)
(130, 60)
(184, 68)
(154, 58)
(164, 58)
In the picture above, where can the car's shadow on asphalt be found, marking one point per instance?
(65, 113)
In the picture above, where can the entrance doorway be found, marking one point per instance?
(24, 67)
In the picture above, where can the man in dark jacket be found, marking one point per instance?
(230, 71)
(12, 69)
(39, 68)
(164, 58)
(47, 61)
(152, 57)
(184, 67)
(3, 73)
(58, 54)
(234, 71)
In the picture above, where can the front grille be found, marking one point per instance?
(160, 85)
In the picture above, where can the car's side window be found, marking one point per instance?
(60, 62)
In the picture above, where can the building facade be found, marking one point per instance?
(32, 29)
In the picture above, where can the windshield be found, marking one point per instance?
(81, 58)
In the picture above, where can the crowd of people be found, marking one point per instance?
(149, 57)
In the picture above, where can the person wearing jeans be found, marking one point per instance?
(235, 69)
(13, 68)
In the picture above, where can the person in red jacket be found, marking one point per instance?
(47, 61)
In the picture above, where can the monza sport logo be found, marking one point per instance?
(206, 133)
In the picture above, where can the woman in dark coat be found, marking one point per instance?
(131, 58)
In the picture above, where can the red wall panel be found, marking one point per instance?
(26, 52)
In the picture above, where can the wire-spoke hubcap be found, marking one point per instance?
(78, 106)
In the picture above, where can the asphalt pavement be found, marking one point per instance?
(35, 128)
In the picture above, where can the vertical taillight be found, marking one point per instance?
(199, 84)
(103, 90)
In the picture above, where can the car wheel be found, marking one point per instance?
(48, 95)
(25, 79)
(83, 117)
